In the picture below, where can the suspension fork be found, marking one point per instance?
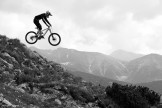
(51, 33)
(50, 30)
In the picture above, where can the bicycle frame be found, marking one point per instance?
(46, 30)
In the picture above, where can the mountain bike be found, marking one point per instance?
(32, 37)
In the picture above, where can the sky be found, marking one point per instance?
(89, 25)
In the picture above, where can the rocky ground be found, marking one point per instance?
(30, 81)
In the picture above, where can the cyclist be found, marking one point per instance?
(42, 17)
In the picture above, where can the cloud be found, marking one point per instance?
(142, 9)
(85, 39)
(11, 24)
(138, 36)
(16, 6)
(155, 41)
(90, 25)
(94, 40)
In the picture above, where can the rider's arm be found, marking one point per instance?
(46, 21)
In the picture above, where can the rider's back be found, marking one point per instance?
(41, 16)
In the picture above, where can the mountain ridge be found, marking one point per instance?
(130, 68)
(90, 62)
(125, 55)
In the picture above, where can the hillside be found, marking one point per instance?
(30, 81)
(98, 80)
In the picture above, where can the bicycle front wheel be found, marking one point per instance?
(54, 39)
(31, 37)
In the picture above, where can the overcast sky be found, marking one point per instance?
(89, 25)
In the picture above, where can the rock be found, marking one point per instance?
(17, 71)
(64, 97)
(3, 100)
(12, 58)
(10, 66)
(6, 72)
(20, 89)
(58, 101)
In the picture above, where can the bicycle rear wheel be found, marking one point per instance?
(31, 37)
(54, 39)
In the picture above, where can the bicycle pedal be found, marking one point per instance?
(41, 37)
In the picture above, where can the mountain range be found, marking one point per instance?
(137, 69)
(89, 62)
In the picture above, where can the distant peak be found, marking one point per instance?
(153, 55)
(123, 51)
(125, 55)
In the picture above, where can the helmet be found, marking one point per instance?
(48, 13)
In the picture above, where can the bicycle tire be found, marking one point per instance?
(56, 39)
(28, 35)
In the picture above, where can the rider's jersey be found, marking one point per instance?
(43, 17)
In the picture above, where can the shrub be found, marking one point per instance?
(77, 79)
(45, 79)
(129, 96)
(81, 94)
(66, 75)
(19, 79)
(152, 97)
(17, 55)
(5, 78)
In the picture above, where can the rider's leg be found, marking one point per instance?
(40, 30)
(39, 27)
(36, 22)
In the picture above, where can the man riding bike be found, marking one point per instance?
(44, 17)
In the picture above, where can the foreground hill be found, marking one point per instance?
(89, 62)
(30, 81)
